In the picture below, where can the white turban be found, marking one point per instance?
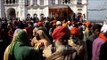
(104, 27)
(35, 24)
(58, 23)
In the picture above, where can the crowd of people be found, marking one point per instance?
(51, 39)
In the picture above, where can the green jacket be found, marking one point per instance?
(24, 53)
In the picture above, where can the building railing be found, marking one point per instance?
(10, 1)
(11, 4)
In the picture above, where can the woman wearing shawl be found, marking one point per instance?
(19, 48)
(77, 44)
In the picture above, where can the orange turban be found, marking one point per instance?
(75, 31)
(54, 24)
(54, 21)
(40, 23)
(59, 32)
(88, 23)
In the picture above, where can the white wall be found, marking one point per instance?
(85, 12)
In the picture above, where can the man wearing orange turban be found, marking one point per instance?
(40, 23)
(88, 23)
(76, 43)
(87, 31)
(75, 31)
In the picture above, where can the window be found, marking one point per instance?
(35, 15)
(28, 15)
(13, 1)
(27, 2)
(59, 1)
(9, 1)
(41, 15)
(41, 2)
(79, 9)
(66, 1)
(79, 1)
(34, 1)
(51, 2)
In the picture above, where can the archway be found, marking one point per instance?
(11, 13)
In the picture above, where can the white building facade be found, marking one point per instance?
(20, 8)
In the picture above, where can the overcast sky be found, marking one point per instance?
(97, 9)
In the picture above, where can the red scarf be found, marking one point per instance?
(103, 36)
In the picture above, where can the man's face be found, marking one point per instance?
(91, 29)
(64, 42)
(96, 32)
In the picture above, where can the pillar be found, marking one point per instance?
(9, 1)
(5, 2)
(12, 1)
(38, 2)
(56, 1)
(16, 1)
(22, 9)
(1, 9)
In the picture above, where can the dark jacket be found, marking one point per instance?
(103, 52)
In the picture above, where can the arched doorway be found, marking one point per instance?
(11, 13)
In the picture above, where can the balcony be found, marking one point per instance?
(11, 4)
